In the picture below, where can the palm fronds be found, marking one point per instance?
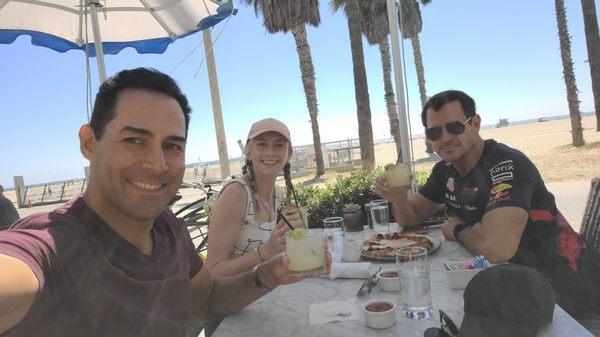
(282, 15)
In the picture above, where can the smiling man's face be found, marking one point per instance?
(137, 165)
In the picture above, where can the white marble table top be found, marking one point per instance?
(284, 311)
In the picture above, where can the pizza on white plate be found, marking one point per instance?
(385, 245)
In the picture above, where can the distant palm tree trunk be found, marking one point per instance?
(569, 74)
(361, 88)
(310, 91)
(416, 45)
(390, 98)
(592, 39)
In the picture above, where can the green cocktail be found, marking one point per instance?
(305, 248)
(397, 175)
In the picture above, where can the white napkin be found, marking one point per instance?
(335, 311)
(350, 270)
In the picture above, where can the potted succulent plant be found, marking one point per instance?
(353, 218)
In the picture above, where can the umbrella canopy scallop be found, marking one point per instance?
(149, 26)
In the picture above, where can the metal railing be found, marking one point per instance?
(51, 193)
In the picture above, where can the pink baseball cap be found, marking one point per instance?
(269, 124)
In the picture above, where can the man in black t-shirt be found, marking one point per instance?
(498, 205)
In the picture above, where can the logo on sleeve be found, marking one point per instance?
(503, 171)
(500, 188)
(501, 196)
(499, 193)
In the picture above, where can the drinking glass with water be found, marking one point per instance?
(413, 269)
(379, 216)
(334, 234)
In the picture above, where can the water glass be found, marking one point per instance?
(379, 217)
(368, 213)
(379, 201)
(413, 270)
(368, 210)
(332, 229)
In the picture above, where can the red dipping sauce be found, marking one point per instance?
(389, 274)
(378, 307)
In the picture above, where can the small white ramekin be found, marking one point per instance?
(382, 319)
(389, 283)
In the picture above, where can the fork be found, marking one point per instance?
(368, 285)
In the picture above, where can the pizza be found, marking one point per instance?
(384, 246)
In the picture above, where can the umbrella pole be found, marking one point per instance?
(404, 132)
(216, 104)
(92, 4)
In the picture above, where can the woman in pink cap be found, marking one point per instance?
(243, 225)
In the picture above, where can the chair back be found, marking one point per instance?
(590, 226)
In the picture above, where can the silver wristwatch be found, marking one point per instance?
(257, 282)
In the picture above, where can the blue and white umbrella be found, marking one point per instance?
(108, 26)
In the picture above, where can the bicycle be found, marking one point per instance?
(195, 217)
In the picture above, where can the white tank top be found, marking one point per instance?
(253, 232)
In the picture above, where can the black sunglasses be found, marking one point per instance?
(448, 328)
(455, 128)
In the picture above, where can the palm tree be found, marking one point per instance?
(374, 24)
(294, 15)
(592, 38)
(411, 25)
(569, 74)
(375, 27)
(361, 88)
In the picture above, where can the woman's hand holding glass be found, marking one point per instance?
(276, 242)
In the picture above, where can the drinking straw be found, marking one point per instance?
(295, 198)
(297, 205)
(285, 220)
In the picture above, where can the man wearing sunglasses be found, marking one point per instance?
(498, 205)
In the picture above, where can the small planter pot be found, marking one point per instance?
(353, 222)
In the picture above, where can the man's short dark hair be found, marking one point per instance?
(139, 78)
(438, 100)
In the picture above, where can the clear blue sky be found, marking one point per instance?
(503, 53)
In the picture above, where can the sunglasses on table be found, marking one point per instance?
(448, 328)
(455, 128)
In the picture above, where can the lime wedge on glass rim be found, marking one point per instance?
(297, 234)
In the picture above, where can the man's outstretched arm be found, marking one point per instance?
(221, 296)
(217, 297)
(18, 288)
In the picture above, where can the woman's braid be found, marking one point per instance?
(288, 183)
